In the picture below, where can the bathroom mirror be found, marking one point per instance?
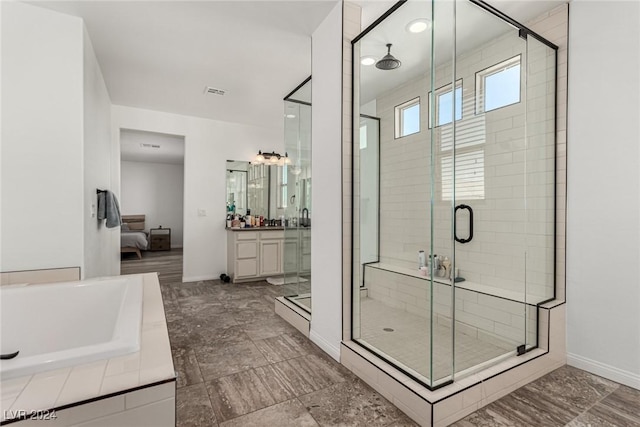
(257, 188)
(237, 186)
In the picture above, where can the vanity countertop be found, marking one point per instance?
(255, 228)
(266, 228)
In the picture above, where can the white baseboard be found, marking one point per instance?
(198, 278)
(607, 371)
(325, 345)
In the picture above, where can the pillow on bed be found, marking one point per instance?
(137, 226)
(124, 227)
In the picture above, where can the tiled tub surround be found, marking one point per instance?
(77, 323)
(48, 275)
(132, 389)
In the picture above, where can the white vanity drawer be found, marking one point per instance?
(246, 235)
(275, 234)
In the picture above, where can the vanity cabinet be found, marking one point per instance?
(271, 252)
(253, 255)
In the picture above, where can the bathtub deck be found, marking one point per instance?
(113, 378)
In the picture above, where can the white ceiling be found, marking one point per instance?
(134, 147)
(160, 55)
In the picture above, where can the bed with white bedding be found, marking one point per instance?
(133, 238)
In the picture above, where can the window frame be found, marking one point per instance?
(399, 118)
(443, 90)
(482, 75)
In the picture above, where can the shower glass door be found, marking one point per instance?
(464, 169)
(296, 197)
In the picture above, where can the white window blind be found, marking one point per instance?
(470, 135)
(469, 175)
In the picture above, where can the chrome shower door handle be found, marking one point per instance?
(455, 224)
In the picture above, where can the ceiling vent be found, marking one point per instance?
(143, 145)
(214, 91)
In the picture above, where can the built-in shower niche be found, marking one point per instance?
(454, 155)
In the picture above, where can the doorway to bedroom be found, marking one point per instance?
(151, 195)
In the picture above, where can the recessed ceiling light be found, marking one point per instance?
(418, 25)
(367, 60)
(290, 116)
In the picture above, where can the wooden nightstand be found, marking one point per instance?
(160, 239)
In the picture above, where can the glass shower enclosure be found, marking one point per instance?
(295, 192)
(453, 187)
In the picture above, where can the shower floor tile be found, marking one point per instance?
(406, 337)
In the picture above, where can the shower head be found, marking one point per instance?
(388, 62)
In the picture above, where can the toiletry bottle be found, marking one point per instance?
(421, 259)
(435, 264)
(446, 264)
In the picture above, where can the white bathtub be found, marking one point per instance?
(64, 324)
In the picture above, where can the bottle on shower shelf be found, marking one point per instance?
(435, 264)
(446, 265)
(422, 267)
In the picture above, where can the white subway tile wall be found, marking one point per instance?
(514, 218)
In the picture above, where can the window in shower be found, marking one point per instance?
(498, 85)
(408, 118)
(444, 104)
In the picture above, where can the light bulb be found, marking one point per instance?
(367, 60)
(418, 25)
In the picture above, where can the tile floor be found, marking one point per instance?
(239, 364)
(409, 340)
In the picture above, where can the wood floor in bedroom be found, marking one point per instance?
(239, 364)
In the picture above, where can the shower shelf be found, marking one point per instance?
(467, 285)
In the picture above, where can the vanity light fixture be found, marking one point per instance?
(418, 25)
(272, 158)
(367, 60)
